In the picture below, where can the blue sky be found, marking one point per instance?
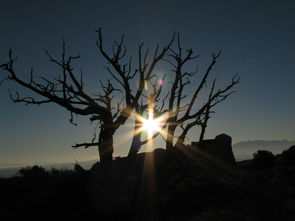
(256, 38)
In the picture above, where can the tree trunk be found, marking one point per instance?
(204, 125)
(105, 147)
(136, 140)
(180, 142)
(203, 129)
(170, 137)
(135, 147)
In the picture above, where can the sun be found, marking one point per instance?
(151, 125)
(151, 122)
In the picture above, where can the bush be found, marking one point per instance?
(60, 172)
(35, 172)
(287, 157)
(263, 159)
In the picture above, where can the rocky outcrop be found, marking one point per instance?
(218, 149)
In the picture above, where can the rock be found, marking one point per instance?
(223, 139)
(218, 150)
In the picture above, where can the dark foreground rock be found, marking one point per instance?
(161, 185)
(218, 150)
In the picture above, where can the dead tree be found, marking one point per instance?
(186, 112)
(180, 110)
(67, 89)
(143, 110)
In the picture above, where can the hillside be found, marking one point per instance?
(242, 151)
(159, 185)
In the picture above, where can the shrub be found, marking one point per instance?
(35, 172)
(263, 159)
(287, 157)
(64, 172)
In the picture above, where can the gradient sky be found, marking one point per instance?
(256, 38)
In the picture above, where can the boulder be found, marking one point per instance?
(218, 150)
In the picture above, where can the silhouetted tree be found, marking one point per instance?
(67, 89)
(178, 108)
(127, 81)
(183, 109)
(140, 110)
(287, 157)
(34, 172)
(263, 159)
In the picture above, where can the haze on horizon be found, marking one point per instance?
(256, 38)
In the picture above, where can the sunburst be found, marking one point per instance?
(151, 124)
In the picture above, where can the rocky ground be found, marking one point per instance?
(159, 185)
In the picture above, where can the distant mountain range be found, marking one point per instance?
(245, 149)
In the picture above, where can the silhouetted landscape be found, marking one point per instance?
(147, 110)
(243, 151)
(160, 185)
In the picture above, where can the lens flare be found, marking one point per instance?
(160, 82)
(151, 125)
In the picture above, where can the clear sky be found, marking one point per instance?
(256, 38)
